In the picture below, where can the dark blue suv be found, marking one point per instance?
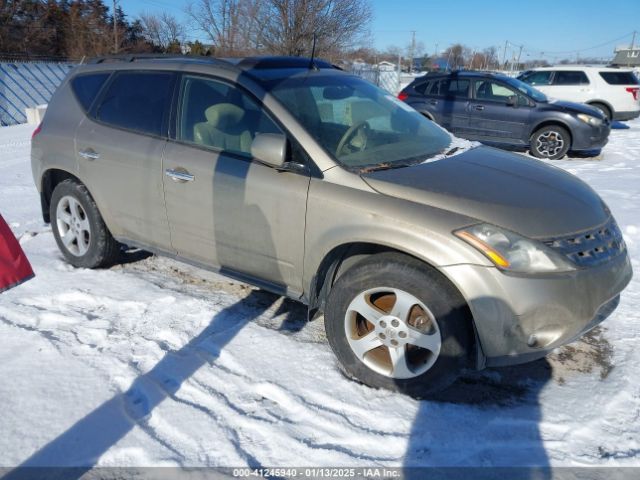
(507, 113)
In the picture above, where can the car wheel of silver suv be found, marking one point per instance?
(396, 323)
(78, 228)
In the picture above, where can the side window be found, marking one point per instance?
(423, 87)
(490, 91)
(137, 101)
(569, 77)
(214, 114)
(457, 87)
(538, 78)
(86, 87)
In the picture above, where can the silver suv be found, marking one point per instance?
(426, 254)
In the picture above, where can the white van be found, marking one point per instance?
(612, 90)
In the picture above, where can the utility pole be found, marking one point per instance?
(633, 44)
(519, 53)
(504, 55)
(115, 28)
(436, 53)
(413, 49)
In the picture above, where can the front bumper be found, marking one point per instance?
(587, 137)
(521, 318)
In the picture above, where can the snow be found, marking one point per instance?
(157, 363)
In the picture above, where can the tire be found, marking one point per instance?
(431, 311)
(81, 234)
(551, 142)
(603, 108)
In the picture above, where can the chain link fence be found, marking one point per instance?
(388, 80)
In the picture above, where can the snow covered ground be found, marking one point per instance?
(156, 363)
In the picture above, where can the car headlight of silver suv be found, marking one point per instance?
(594, 121)
(512, 252)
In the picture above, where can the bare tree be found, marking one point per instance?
(234, 26)
(337, 25)
(162, 30)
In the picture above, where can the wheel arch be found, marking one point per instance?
(48, 182)
(553, 122)
(612, 110)
(337, 261)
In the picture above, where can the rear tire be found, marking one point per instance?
(603, 108)
(414, 327)
(551, 142)
(80, 232)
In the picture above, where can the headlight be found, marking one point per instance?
(512, 252)
(596, 122)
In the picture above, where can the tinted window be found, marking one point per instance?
(422, 87)
(86, 87)
(570, 78)
(619, 78)
(214, 114)
(137, 101)
(537, 78)
(450, 87)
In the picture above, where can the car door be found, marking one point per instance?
(225, 208)
(493, 118)
(451, 97)
(571, 85)
(119, 147)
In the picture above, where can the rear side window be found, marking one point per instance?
(537, 78)
(137, 101)
(619, 78)
(454, 87)
(570, 77)
(86, 87)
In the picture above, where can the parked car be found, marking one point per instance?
(614, 91)
(313, 183)
(507, 113)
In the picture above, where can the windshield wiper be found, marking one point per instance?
(383, 166)
(452, 151)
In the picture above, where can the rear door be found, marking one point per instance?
(492, 119)
(450, 99)
(119, 147)
(571, 85)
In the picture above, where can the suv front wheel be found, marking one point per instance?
(396, 323)
(80, 232)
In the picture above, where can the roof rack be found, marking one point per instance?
(150, 56)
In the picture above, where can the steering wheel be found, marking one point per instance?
(361, 129)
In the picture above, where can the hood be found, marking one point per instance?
(524, 195)
(574, 108)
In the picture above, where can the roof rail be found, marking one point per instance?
(134, 57)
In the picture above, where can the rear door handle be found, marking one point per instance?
(179, 175)
(478, 107)
(89, 154)
(433, 102)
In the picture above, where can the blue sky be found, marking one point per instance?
(553, 29)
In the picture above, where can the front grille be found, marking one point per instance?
(592, 247)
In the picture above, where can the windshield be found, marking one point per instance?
(358, 123)
(537, 95)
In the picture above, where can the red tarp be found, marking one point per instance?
(14, 266)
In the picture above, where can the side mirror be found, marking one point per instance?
(270, 148)
(512, 101)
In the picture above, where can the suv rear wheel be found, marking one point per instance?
(551, 142)
(80, 232)
(395, 323)
(603, 108)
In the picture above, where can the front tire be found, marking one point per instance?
(80, 232)
(395, 323)
(551, 142)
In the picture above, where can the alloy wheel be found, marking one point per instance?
(73, 226)
(392, 332)
(550, 143)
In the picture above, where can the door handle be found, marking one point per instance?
(433, 102)
(89, 154)
(479, 107)
(179, 175)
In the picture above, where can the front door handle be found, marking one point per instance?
(89, 154)
(433, 102)
(479, 107)
(179, 175)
